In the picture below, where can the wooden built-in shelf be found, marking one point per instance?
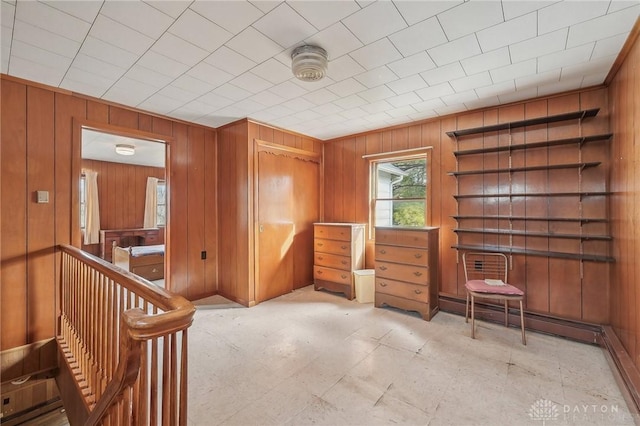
(534, 234)
(536, 219)
(522, 123)
(581, 166)
(541, 253)
(535, 194)
(569, 141)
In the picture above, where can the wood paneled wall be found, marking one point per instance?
(122, 191)
(553, 286)
(624, 101)
(236, 201)
(37, 153)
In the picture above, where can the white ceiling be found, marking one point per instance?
(102, 147)
(391, 62)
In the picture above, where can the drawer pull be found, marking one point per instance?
(319, 272)
(344, 262)
(382, 284)
(320, 244)
(343, 247)
(383, 251)
(320, 258)
(417, 255)
(418, 291)
(417, 274)
(154, 270)
(383, 268)
(343, 276)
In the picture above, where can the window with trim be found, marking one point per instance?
(161, 203)
(83, 202)
(400, 191)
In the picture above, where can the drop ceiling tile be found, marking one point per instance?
(412, 65)
(419, 37)
(617, 5)
(514, 71)
(469, 17)
(7, 14)
(376, 77)
(603, 27)
(482, 103)
(496, 89)
(43, 39)
(346, 87)
(82, 87)
(343, 68)
(509, 32)
(248, 106)
(486, 61)
(253, 44)
(307, 115)
(471, 82)
(376, 94)
(229, 61)
(98, 67)
(162, 64)
(352, 113)
(538, 46)
(406, 99)
(173, 8)
(251, 82)
(594, 79)
(532, 81)
(199, 31)
(560, 86)
(423, 115)
(566, 13)
(442, 74)
(160, 104)
(513, 9)
(348, 102)
(298, 104)
(376, 107)
(53, 20)
(565, 57)
(436, 91)
(337, 40)
(263, 116)
(120, 35)
(231, 92)
(108, 53)
(210, 74)
(181, 95)
(321, 96)
(429, 105)
(279, 111)
(461, 48)
(213, 120)
(519, 95)
(99, 84)
(138, 16)
(593, 67)
(407, 84)
(35, 72)
(376, 54)
(446, 110)
(147, 76)
(310, 86)
(375, 21)
(609, 46)
(377, 118)
(327, 109)
(193, 85)
(288, 121)
(273, 71)
(288, 90)
(234, 16)
(215, 100)
(129, 92)
(415, 11)
(40, 56)
(178, 49)
(322, 14)
(403, 112)
(295, 30)
(267, 99)
(331, 119)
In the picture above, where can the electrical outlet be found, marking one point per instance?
(203, 255)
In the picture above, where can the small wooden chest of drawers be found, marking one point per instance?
(407, 269)
(338, 251)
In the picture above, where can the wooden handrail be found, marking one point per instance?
(108, 317)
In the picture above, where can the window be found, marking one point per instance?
(161, 203)
(400, 191)
(83, 201)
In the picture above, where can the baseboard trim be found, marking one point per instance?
(623, 368)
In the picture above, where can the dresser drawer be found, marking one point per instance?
(410, 273)
(329, 274)
(410, 255)
(342, 233)
(332, 246)
(402, 237)
(332, 261)
(415, 292)
(150, 272)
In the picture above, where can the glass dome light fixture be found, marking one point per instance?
(124, 149)
(309, 63)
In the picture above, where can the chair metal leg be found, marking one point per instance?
(473, 317)
(506, 313)
(466, 309)
(524, 340)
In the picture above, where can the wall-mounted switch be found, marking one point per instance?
(42, 196)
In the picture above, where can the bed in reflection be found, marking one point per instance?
(144, 261)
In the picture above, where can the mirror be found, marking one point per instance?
(122, 200)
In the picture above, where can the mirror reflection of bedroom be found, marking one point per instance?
(123, 203)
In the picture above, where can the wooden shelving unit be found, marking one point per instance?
(577, 232)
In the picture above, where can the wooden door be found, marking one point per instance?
(287, 204)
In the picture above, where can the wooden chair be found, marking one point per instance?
(482, 272)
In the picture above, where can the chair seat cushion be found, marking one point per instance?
(479, 286)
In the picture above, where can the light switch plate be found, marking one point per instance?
(42, 196)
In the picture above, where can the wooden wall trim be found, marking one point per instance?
(624, 52)
(28, 360)
(625, 371)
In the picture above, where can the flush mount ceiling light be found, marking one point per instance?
(123, 149)
(309, 63)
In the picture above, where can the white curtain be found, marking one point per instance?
(151, 203)
(92, 208)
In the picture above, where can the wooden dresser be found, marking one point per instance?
(407, 269)
(126, 238)
(338, 251)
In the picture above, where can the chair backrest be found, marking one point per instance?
(480, 266)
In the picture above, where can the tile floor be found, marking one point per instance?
(316, 358)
